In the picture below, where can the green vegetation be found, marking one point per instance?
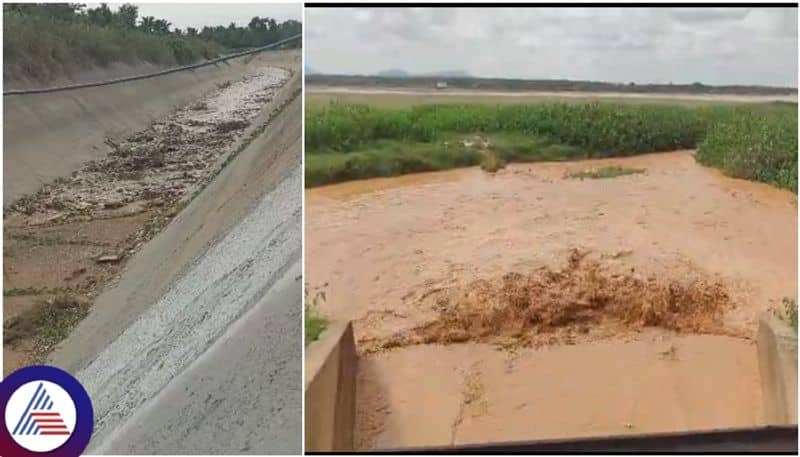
(387, 158)
(44, 41)
(314, 323)
(605, 172)
(492, 163)
(19, 292)
(788, 313)
(755, 144)
(354, 141)
(50, 322)
(602, 128)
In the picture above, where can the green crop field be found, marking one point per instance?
(353, 141)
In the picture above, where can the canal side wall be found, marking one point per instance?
(330, 390)
(50, 135)
(777, 360)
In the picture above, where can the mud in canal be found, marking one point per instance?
(525, 304)
(65, 243)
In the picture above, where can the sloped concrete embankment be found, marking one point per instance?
(274, 147)
(181, 297)
(178, 330)
(48, 136)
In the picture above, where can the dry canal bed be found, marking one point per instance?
(65, 243)
(526, 304)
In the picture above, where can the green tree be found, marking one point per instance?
(101, 16)
(161, 26)
(126, 15)
(147, 24)
(59, 11)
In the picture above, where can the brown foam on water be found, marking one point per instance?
(557, 305)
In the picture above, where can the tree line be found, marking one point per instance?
(258, 32)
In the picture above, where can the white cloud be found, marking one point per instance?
(681, 45)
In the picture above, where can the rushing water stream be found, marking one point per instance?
(383, 245)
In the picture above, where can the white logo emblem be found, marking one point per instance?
(40, 416)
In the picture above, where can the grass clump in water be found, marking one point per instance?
(314, 323)
(492, 164)
(789, 313)
(605, 173)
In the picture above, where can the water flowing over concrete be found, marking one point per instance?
(405, 259)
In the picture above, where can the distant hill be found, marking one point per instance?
(450, 74)
(400, 73)
(393, 73)
(310, 70)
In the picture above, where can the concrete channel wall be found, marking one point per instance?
(50, 135)
(254, 171)
(330, 390)
(777, 361)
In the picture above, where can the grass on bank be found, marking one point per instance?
(51, 322)
(757, 145)
(605, 173)
(45, 49)
(346, 141)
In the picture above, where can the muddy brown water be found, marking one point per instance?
(386, 246)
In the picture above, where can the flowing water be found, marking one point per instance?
(393, 255)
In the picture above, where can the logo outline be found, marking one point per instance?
(53, 388)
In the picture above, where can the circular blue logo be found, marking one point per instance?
(46, 411)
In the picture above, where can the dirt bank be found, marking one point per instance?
(427, 258)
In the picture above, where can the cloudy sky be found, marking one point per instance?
(648, 45)
(197, 15)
